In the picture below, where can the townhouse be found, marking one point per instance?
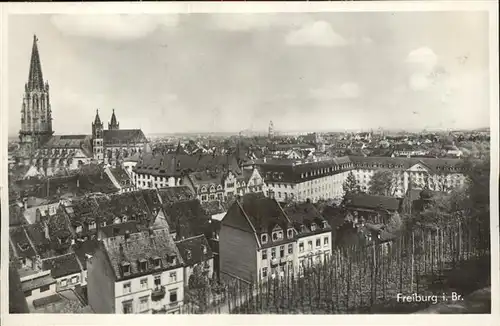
(198, 259)
(136, 273)
(87, 215)
(258, 240)
(314, 237)
(210, 177)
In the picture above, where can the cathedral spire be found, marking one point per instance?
(35, 79)
(113, 125)
(97, 120)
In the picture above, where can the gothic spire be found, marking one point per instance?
(35, 79)
(97, 120)
(113, 124)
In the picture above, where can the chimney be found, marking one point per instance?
(265, 159)
(46, 231)
(151, 233)
(127, 235)
(78, 182)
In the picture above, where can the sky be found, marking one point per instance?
(233, 72)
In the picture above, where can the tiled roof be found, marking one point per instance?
(264, 213)
(20, 242)
(36, 234)
(142, 246)
(304, 214)
(119, 229)
(296, 173)
(436, 165)
(68, 141)
(213, 207)
(192, 250)
(37, 283)
(172, 164)
(173, 194)
(141, 206)
(123, 137)
(89, 178)
(62, 265)
(16, 216)
(58, 225)
(84, 248)
(372, 202)
(187, 218)
(121, 176)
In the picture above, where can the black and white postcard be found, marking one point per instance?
(217, 160)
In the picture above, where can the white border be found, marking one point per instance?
(255, 7)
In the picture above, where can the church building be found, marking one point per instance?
(49, 154)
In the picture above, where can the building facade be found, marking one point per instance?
(259, 240)
(434, 174)
(136, 273)
(299, 181)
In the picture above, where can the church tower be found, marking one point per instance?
(97, 138)
(113, 125)
(271, 130)
(36, 114)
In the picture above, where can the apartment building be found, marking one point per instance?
(288, 180)
(314, 236)
(136, 273)
(441, 174)
(197, 256)
(258, 240)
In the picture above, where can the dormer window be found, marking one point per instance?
(125, 268)
(290, 233)
(204, 249)
(143, 265)
(302, 228)
(313, 227)
(325, 224)
(188, 254)
(263, 238)
(278, 235)
(157, 262)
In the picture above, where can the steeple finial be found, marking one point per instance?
(113, 125)
(35, 78)
(97, 120)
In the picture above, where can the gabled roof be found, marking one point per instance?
(123, 137)
(119, 229)
(191, 250)
(305, 214)
(62, 265)
(186, 218)
(263, 213)
(172, 164)
(173, 194)
(84, 248)
(20, 243)
(141, 246)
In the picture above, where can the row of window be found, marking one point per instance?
(273, 252)
(128, 306)
(276, 236)
(326, 243)
(143, 283)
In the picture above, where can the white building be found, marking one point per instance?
(136, 273)
(299, 181)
